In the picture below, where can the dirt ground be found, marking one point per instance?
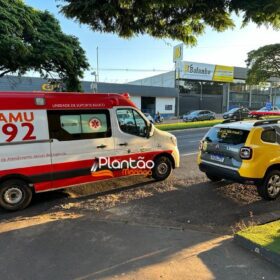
(186, 200)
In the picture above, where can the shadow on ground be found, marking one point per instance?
(82, 248)
(218, 208)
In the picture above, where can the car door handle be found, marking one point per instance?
(101, 146)
(123, 144)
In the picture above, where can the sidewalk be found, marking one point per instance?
(85, 248)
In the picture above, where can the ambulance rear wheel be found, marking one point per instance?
(162, 168)
(15, 194)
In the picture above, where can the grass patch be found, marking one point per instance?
(267, 236)
(186, 125)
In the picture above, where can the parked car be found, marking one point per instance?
(265, 109)
(237, 114)
(199, 115)
(246, 152)
(186, 113)
(149, 117)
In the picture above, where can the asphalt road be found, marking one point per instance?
(177, 229)
(188, 139)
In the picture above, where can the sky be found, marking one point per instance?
(146, 53)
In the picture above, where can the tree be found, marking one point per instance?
(183, 20)
(33, 40)
(263, 63)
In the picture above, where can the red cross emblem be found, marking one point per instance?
(95, 124)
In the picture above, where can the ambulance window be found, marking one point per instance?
(131, 122)
(71, 124)
(78, 125)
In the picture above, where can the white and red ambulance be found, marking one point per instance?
(56, 140)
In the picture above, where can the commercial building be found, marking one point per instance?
(150, 99)
(214, 87)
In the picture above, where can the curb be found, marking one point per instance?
(189, 129)
(257, 249)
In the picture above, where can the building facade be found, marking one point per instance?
(214, 87)
(150, 99)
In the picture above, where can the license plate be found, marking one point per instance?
(217, 158)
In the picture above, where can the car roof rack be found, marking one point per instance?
(230, 121)
(270, 121)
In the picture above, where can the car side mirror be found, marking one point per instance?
(150, 130)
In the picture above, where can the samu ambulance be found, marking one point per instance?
(50, 141)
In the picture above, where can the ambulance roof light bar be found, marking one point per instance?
(126, 95)
(40, 101)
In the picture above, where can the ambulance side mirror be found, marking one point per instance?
(150, 130)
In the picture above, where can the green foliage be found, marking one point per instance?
(187, 125)
(267, 235)
(183, 20)
(33, 40)
(263, 64)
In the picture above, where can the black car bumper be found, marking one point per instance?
(228, 174)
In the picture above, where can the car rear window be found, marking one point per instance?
(226, 136)
(269, 136)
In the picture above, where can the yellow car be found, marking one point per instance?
(247, 152)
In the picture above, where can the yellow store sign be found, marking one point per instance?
(49, 87)
(205, 72)
(178, 53)
(223, 73)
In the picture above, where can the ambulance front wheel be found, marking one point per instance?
(15, 194)
(162, 168)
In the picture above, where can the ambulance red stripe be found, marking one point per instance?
(45, 177)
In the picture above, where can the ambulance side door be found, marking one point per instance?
(130, 132)
(78, 136)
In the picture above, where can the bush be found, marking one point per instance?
(187, 125)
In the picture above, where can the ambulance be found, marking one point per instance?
(51, 141)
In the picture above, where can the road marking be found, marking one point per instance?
(189, 154)
(190, 129)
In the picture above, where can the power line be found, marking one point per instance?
(135, 70)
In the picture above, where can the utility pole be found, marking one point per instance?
(200, 102)
(177, 87)
(97, 65)
(177, 58)
(228, 93)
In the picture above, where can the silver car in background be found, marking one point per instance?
(199, 115)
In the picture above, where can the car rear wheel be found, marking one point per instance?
(213, 178)
(15, 194)
(162, 168)
(269, 189)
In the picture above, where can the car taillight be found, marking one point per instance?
(200, 145)
(246, 153)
